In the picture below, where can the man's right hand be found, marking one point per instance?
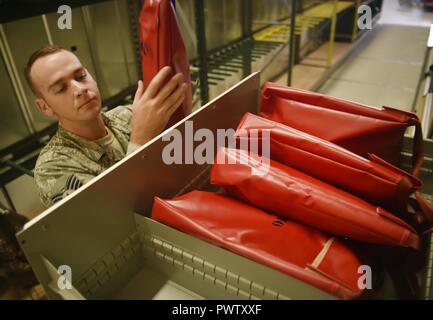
(153, 107)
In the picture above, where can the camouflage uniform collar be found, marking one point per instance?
(90, 148)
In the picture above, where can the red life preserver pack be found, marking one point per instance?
(162, 45)
(302, 252)
(289, 193)
(373, 179)
(356, 127)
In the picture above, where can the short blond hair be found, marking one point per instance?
(43, 51)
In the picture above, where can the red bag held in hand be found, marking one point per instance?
(162, 45)
(299, 251)
(356, 127)
(289, 193)
(373, 179)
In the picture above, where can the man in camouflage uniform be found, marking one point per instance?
(88, 141)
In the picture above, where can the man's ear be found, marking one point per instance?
(44, 107)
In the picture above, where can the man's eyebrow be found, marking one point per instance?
(63, 78)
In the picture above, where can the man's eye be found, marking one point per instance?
(82, 77)
(61, 89)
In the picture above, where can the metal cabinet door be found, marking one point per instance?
(186, 18)
(259, 13)
(214, 24)
(23, 37)
(223, 22)
(111, 44)
(232, 20)
(12, 125)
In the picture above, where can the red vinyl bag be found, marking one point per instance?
(356, 127)
(299, 251)
(371, 179)
(162, 45)
(289, 193)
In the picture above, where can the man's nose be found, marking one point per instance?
(79, 88)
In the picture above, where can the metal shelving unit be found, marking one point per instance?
(258, 47)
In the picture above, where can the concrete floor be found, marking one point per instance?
(394, 13)
(386, 68)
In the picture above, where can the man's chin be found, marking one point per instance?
(90, 112)
(92, 104)
(91, 108)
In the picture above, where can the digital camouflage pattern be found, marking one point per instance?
(68, 161)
